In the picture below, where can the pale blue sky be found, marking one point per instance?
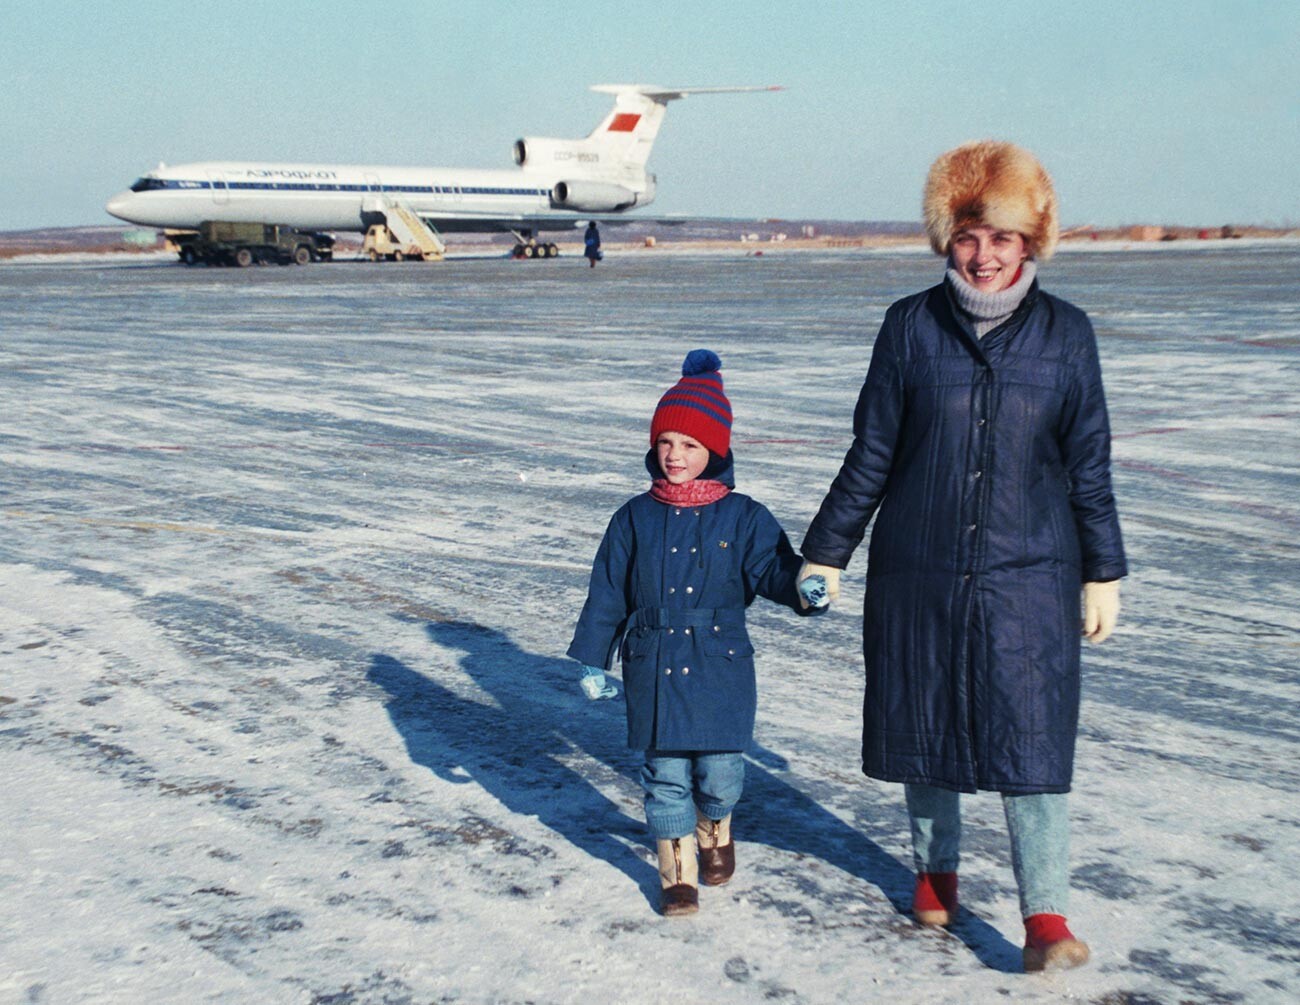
(1160, 112)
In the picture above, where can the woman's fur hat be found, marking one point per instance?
(996, 184)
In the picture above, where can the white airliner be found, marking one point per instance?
(557, 185)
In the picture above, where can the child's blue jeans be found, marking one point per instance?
(676, 782)
(1039, 827)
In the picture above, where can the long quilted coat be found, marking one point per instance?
(989, 461)
(669, 588)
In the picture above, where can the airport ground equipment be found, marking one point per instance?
(219, 242)
(402, 235)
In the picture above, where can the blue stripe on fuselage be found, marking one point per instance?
(294, 186)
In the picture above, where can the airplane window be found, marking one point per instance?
(147, 184)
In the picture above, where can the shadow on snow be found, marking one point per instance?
(517, 746)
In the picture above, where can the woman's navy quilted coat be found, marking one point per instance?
(989, 461)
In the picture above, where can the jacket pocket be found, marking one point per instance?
(725, 647)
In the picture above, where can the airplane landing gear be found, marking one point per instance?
(526, 246)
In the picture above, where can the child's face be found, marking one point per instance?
(681, 459)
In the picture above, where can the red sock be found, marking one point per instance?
(1043, 930)
(935, 891)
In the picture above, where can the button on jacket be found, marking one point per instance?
(989, 461)
(669, 588)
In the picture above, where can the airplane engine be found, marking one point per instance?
(592, 196)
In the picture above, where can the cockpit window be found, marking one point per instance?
(148, 184)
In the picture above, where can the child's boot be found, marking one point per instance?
(1050, 945)
(678, 876)
(717, 850)
(934, 904)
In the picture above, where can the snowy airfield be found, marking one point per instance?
(291, 558)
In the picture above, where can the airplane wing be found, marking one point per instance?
(471, 222)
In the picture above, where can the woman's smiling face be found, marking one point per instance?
(988, 259)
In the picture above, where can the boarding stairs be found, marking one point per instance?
(413, 235)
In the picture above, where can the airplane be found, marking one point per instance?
(557, 184)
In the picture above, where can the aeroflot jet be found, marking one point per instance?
(558, 184)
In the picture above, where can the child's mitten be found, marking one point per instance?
(830, 581)
(594, 685)
(813, 592)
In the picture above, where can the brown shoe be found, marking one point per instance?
(678, 877)
(717, 850)
(1050, 945)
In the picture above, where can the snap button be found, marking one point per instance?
(678, 512)
(672, 589)
(978, 473)
(668, 671)
(972, 527)
(686, 669)
(692, 551)
(673, 549)
(686, 631)
(716, 628)
(690, 589)
(670, 631)
(731, 652)
(980, 422)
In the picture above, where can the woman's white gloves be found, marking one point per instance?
(830, 575)
(1100, 610)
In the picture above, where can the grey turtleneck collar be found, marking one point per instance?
(988, 310)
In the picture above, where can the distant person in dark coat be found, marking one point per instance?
(591, 244)
(674, 573)
(981, 435)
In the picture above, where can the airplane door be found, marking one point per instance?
(220, 192)
(373, 184)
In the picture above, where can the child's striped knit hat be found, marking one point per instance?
(696, 405)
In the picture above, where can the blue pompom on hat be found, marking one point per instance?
(696, 406)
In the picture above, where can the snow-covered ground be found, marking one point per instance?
(291, 558)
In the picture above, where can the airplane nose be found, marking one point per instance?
(117, 206)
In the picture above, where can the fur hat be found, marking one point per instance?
(996, 184)
(696, 406)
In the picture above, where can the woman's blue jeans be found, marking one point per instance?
(676, 782)
(1039, 826)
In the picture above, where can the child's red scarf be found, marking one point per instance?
(699, 492)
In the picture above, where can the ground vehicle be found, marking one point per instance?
(219, 242)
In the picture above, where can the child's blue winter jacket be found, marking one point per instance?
(668, 592)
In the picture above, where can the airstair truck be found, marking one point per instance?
(402, 235)
(219, 242)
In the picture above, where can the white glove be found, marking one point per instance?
(594, 685)
(1100, 610)
(828, 573)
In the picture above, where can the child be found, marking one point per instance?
(676, 569)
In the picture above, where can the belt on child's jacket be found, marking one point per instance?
(715, 618)
(677, 617)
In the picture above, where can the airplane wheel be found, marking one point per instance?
(399, 256)
(552, 251)
(301, 255)
(243, 258)
(532, 251)
(374, 255)
(188, 256)
(518, 251)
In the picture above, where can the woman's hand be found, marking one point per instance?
(831, 575)
(1100, 610)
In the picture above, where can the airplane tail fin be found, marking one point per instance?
(618, 149)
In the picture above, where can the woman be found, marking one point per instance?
(591, 244)
(981, 434)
